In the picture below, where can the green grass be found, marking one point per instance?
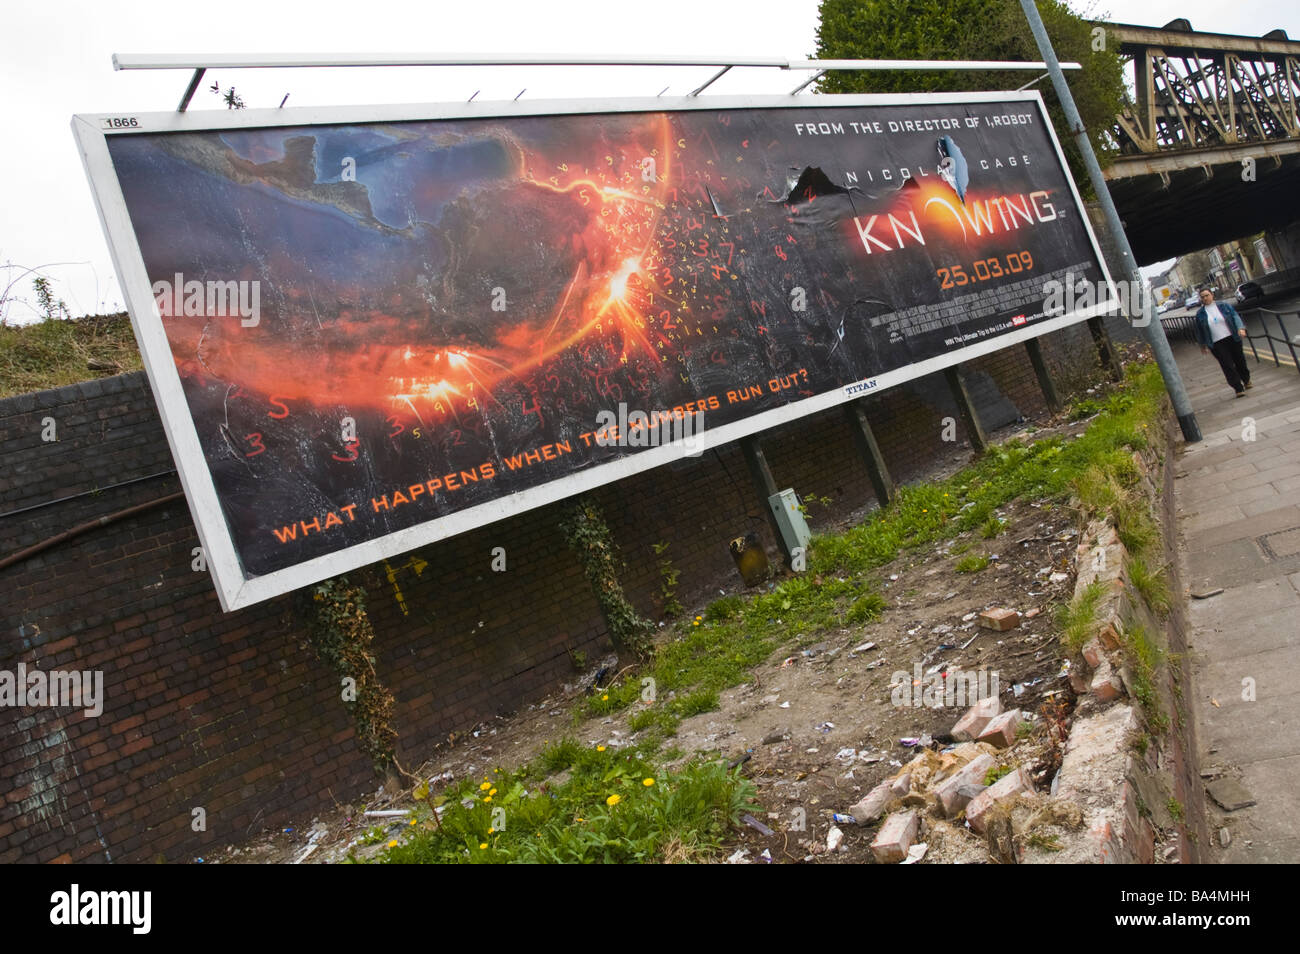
(51, 354)
(866, 609)
(1145, 657)
(681, 816)
(991, 527)
(1078, 618)
(971, 564)
(1152, 584)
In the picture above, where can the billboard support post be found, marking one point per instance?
(979, 442)
(761, 474)
(1105, 350)
(1044, 375)
(865, 439)
(1151, 325)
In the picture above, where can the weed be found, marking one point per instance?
(1175, 808)
(971, 564)
(996, 772)
(991, 527)
(1045, 842)
(1152, 584)
(866, 609)
(1078, 618)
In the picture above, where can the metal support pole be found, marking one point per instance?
(1044, 376)
(191, 90)
(1152, 328)
(761, 474)
(966, 408)
(865, 439)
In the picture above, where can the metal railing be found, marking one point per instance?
(1267, 336)
(1183, 328)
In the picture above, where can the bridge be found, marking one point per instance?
(1209, 148)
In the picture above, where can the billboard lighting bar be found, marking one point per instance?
(201, 62)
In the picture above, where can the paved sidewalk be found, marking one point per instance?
(1238, 503)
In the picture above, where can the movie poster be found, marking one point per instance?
(379, 325)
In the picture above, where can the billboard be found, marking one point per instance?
(368, 329)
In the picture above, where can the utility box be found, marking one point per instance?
(789, 520)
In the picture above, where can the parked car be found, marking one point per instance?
(1193, 302)
(1249, 293)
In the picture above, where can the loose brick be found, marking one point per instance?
(1001, 732)
(896, 835)
(953, 793)
(999, 619)
(1007, 787)
(870, 806)
(975, 720)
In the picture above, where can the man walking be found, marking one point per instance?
(1219, 329)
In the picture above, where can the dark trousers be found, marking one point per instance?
(1233, 361)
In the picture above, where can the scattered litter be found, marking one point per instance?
(870, 758)
(826, 726)
(941, 629)
(846, 755)
(915, 854)
(863, 648)
(1206, 594)
(968, 617)
(766, 856)
(878, 662)
(910, 741)
(841, 819)
(1215, 703)
(784, 705)
(893, 576)
(389, 813)
(833, 839)
(1031, 613)
(789, 661)
(738, 857)
(971, 640)
(755, 824)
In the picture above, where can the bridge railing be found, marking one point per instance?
(1266, 336)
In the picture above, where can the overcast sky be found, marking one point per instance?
(56, 61)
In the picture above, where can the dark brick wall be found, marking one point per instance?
(234, 714)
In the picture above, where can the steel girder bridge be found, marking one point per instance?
(1209, 147)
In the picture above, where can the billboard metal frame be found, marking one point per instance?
(234, 588)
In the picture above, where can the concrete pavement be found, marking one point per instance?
(1238, 500)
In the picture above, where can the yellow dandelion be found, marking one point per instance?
(482, 846)
(393, 843)
(613, 800)
(488, 799)
(605, 697)
(600, 748)
(412, 821)
(485, 786)
(648, 782)
(491, 830)
(491, 793)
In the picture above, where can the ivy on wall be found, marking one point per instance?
(587, 534)
(341, 633)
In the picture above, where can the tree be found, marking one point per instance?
(976, 30)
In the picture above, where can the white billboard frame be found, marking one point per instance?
(236, 590)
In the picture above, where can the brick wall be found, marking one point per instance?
(234, 714)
